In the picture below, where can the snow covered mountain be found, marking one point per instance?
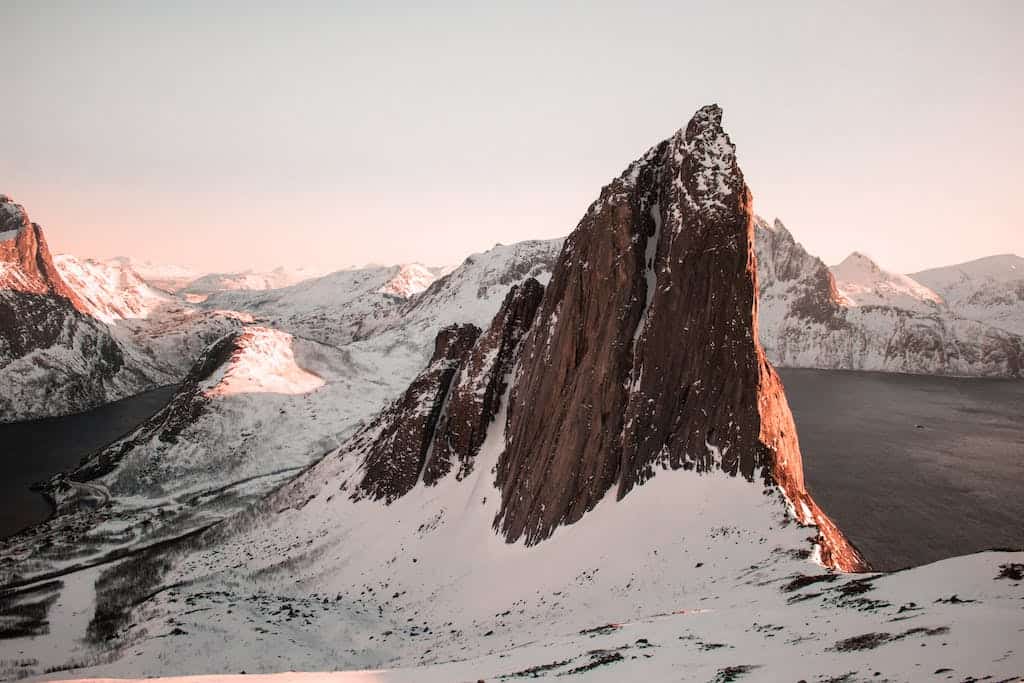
(858, 316)
(78, 333)
(309, 383)
(109, 290)
(863, 283)
(54, 357)
(166, 277)
(589, 471)
(990, 290)
(248, 280)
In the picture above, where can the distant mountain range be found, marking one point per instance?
(565, 457)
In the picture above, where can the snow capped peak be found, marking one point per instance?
(864, 283)
(411, 278)
(110, 290)
(262, 362)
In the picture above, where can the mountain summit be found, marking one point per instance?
(645, 353)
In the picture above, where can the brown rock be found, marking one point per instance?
(396, 443)
(475, 397)
(645, 351)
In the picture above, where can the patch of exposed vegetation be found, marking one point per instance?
(120, 589)
(597, 658)
(870, 641)
(23, 612)
(1013, 571)
(536, 671)
(733, 673)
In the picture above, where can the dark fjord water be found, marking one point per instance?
(908, 495)
(34, 451)
(904, 495)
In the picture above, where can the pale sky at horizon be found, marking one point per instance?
(334, 134)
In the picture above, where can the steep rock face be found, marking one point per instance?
(26, 264)
(873, 320)
(54, 359)
(397, 443)
(645, 353)
(475, 397)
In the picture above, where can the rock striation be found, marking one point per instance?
(396, 444)
(645, 352)
(475, 397)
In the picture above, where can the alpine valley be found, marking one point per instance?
(560, 458)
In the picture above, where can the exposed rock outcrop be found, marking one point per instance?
(395, 445)
(645, 351)
(184, 409)
(476, 395)
(26, 264)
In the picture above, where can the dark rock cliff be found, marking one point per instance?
(645, 351)
(397, 442)
(475, 397)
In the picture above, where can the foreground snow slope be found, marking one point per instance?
(898, 627)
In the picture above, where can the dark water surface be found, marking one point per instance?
(909, 495)
(35, 451)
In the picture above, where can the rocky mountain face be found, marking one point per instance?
(403, 434)
(53, 356)
(78, 333)
(475, 398)
(861, 317)
(990, 290)
(608, 468)
(645, 354)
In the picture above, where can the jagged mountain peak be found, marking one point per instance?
(644, 354)
(863, 282)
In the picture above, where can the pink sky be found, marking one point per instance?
(328, 137)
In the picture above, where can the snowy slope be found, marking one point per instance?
(990, 290)
(164, 276)
(694, 571)
(241, 444)
(412, 278)
(247, 280)
(872, 320)
(111, 290)
(864, 283)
